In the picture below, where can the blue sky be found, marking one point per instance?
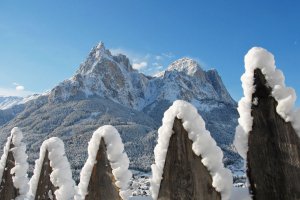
(43, 42)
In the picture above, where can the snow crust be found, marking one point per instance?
(117, 157)
(203, 144)
(61, 175)
(19, 172)
(239, 193)
(4, 157)
(186, 65)
(9, 102)
(259, 58)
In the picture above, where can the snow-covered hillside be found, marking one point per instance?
(11, 101)
(8, 102)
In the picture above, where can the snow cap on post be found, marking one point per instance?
(117, 157)
(259, 58)
(4, 156)
(203, 144)
(19, 171)
(61, 175)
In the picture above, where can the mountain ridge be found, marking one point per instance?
(105, 74)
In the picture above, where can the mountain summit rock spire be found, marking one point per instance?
(100, 50)
(96, 55)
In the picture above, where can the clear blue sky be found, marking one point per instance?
(43, 42)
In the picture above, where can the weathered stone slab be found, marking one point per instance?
(102, 183)
(184, 175)
(273, 158)
(45, 189)
(7, 188)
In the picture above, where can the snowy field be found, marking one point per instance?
(140, 198)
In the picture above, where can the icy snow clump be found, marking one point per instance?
(259, 58)
(19, 171)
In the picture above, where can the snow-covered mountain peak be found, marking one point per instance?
(186, 65)
(100, 45)
(103, 74)
(99, 51)
(112, 77)
(97, 54)
(100, 58)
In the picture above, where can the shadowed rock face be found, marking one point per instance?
(45, 189)
(102, 182)
(7, 188)
(274, 149)
(184, 175)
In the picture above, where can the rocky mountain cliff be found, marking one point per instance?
(107, 90)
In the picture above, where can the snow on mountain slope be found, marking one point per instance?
(10, 101)
(107, 90)
(188, 66)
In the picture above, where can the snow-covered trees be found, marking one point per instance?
(52, 178)
(268, 132)
(13, 168)
(105, 174)
(188, 163)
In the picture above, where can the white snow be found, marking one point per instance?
(203, 144)
(140, 198)
(61, 176)
(117, 157)
(186, 65)
(140, 183)
(9, 102)
(4, 157)
(19, 172)
(259, 58)
(239, 193)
